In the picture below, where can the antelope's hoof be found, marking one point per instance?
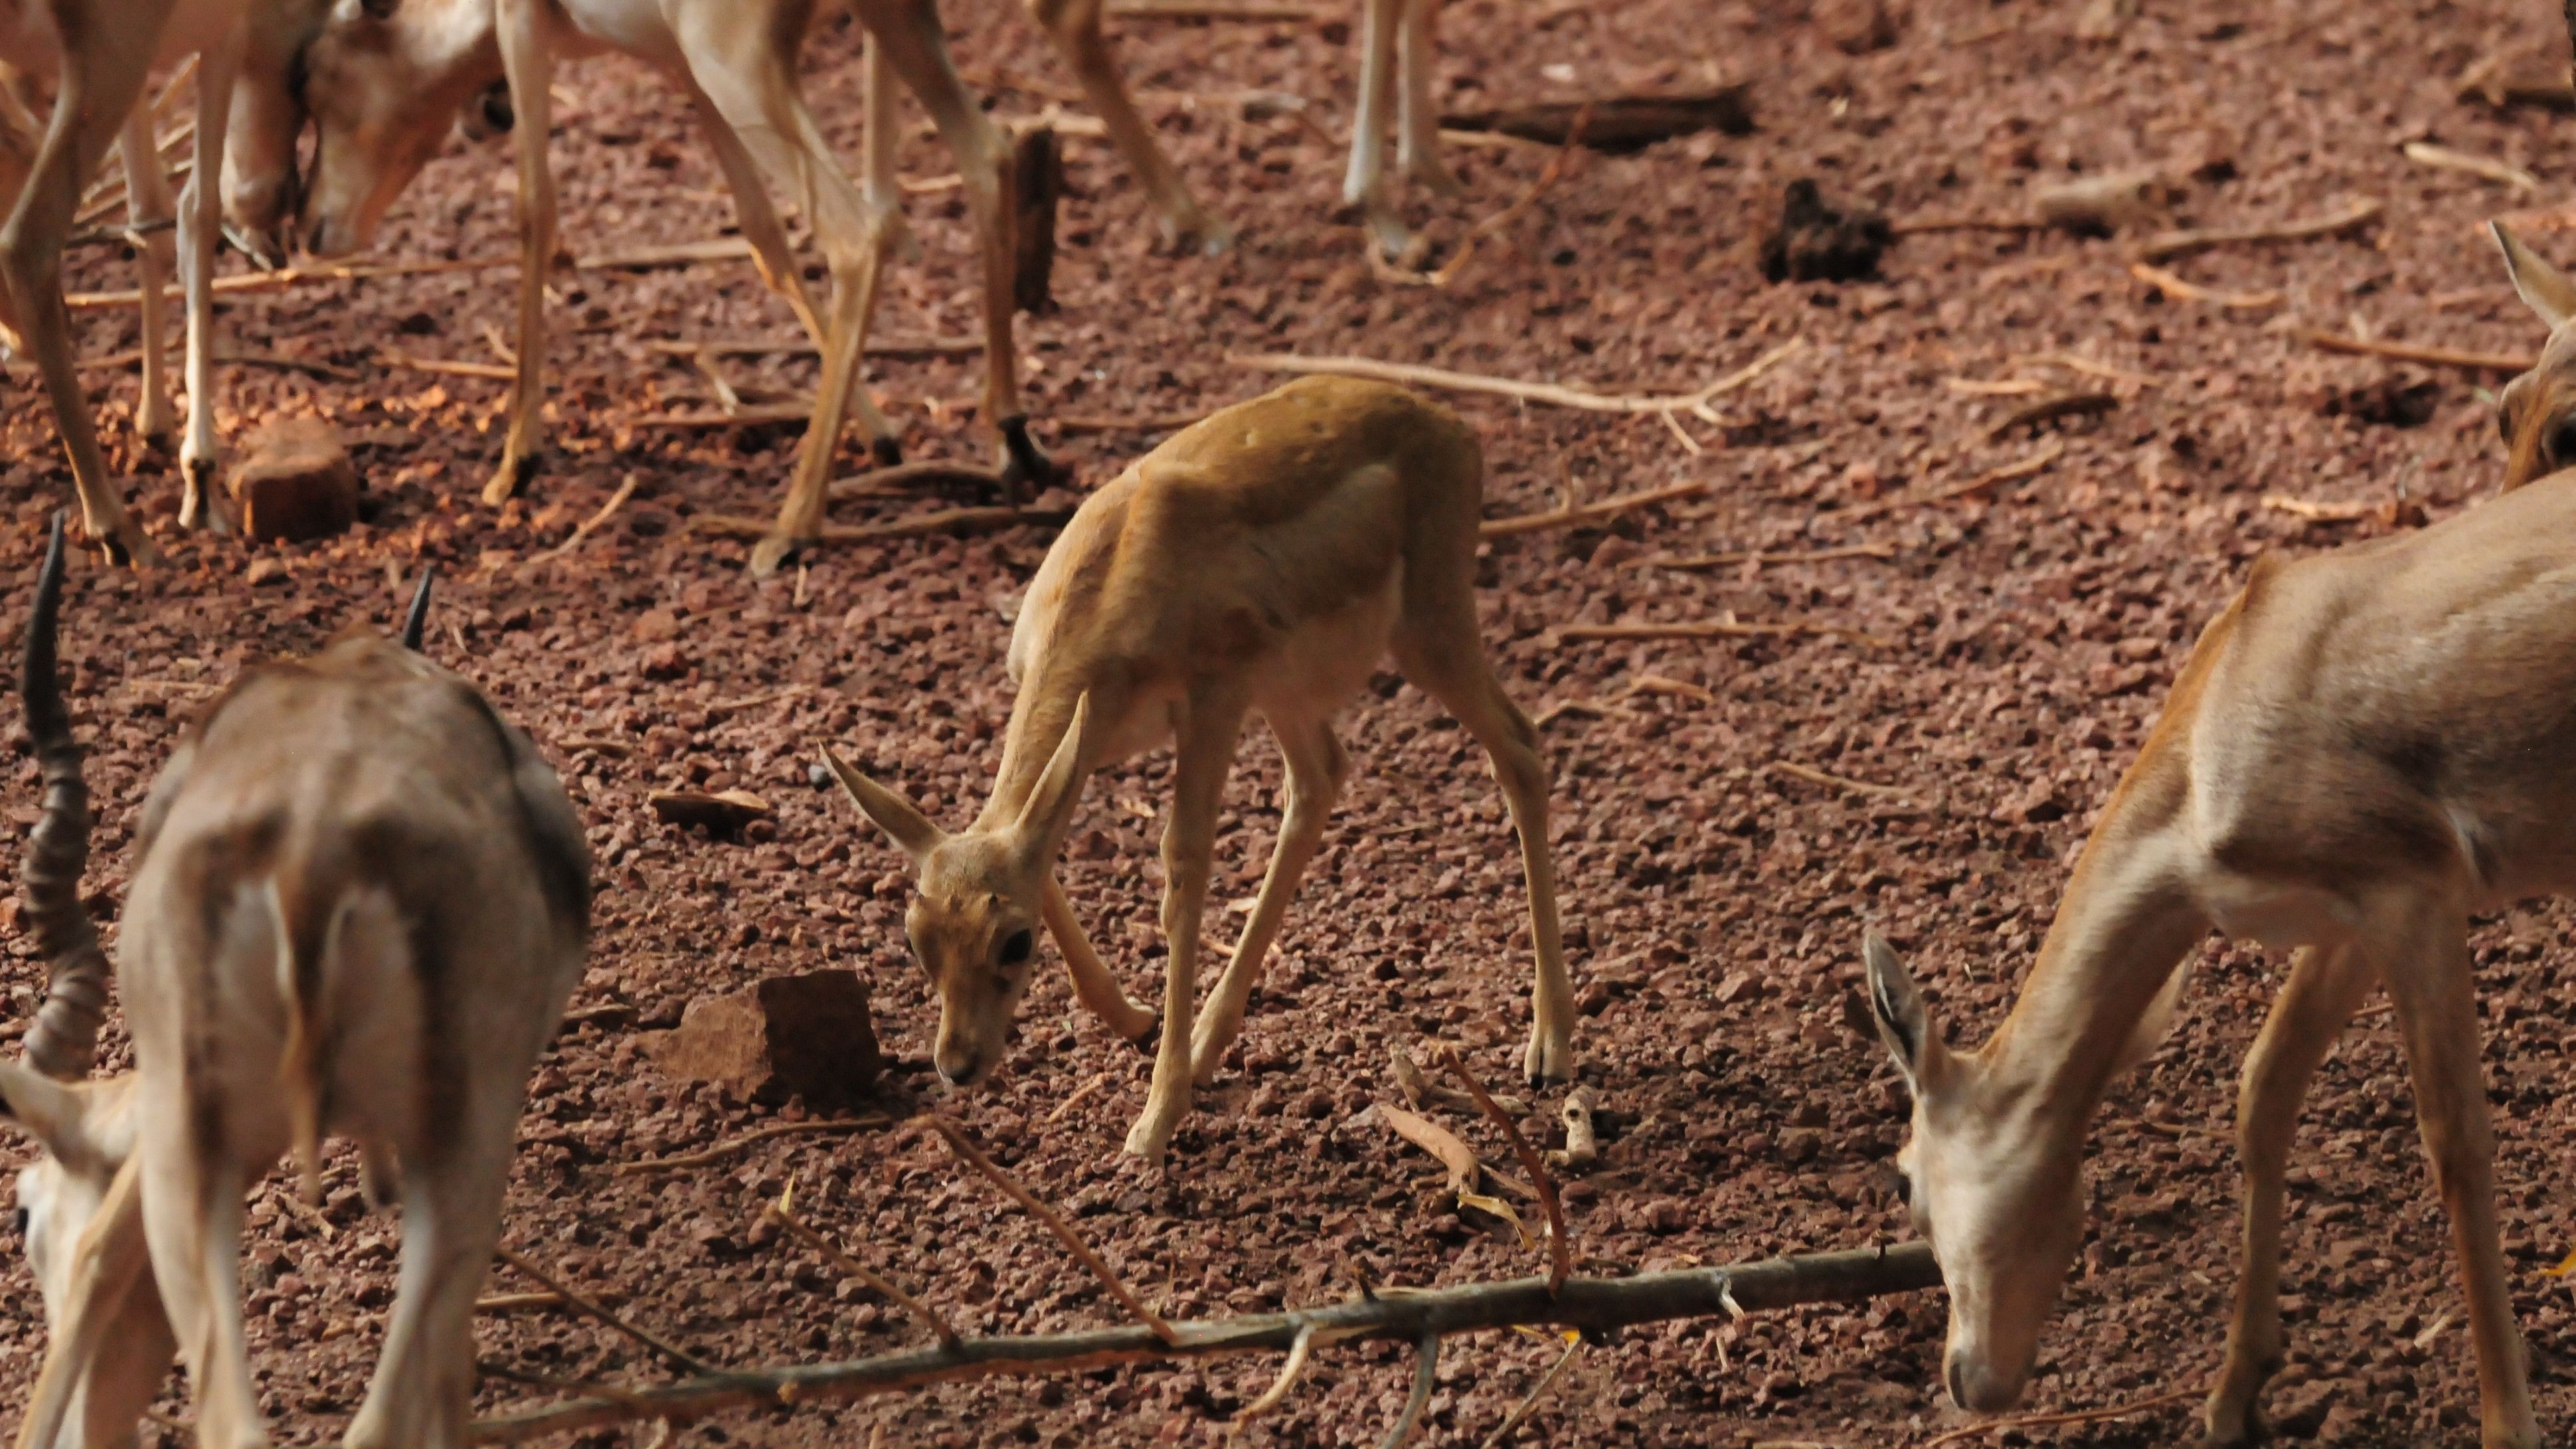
(768, 554)
(513, 474)
(1150, 1039)
(887, 452)
(1198, 235)
(1544, 1065)
(1025, 470)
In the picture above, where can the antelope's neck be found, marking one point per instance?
(1039, 718)
(2123, 929)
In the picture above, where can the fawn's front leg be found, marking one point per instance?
(1207, 739)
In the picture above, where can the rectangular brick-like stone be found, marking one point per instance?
(807, 1035)
(295, 484)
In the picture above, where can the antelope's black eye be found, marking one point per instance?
(2562, 441)
(21, 1218)
(1017, 946)
(1904, 1189)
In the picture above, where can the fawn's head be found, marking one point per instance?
(2537, 412)
(978, 900)
(87, 1134)
(1989, 1185)
(385, 85)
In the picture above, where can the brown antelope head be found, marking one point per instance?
(384, 91)
(1993, 1176)
(979, 899)
(2537, 413)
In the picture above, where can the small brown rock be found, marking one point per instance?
(297, 483)
(806, 1035)
(1855, 27)
(721, 812)
(266, 570)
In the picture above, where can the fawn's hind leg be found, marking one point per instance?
(1445, 657)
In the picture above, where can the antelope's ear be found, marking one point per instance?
(1904, 1024)
(908, 828)
(1049, 810)
(2544, 289)
(56, 1113)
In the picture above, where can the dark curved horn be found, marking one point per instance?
(65, 1037)
(414, 621)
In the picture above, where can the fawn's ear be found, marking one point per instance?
(2544, 289)
(908, 828)
(1049, 809)
(1904, 1023)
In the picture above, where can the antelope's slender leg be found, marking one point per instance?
(147, 202)
(1441, 653)
(524, 56)
(1075, 27)
(908, 34)
(1417, 136)
(2325, 986)
(1365, 185)
(201, 219)
(192, 1216)
(100, 83)
(1093, 986)
(2424, 960)
(1316, 767)
(422, 1392)
(752, 83)
(1207, 738)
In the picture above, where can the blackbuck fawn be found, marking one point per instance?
(2365, 748)
(359, 905)
(1260, 562)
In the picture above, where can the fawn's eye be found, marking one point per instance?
(1017, 946)
(21, 1218)
(1904, 1189)
(2562, 441)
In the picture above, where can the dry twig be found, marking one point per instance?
(1595, 1304)
(2174, 244)
(919, 525)
(590, 525)
(734, 1147)
(1424, 1094)
(1538, 1391)
(783, 1213)
(2486, 168)
(1760, 560)
(677, 1355)
(1577, 515)
(2412, 352)
(2174, 286)
(1560, 1253)
(1814, 776)
(1726, 628)
(973, 1156)
(1552, 394)
(445, 367)
(2082, 1416)
(2049, 409)
(1426, 1369)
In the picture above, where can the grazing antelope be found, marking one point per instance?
(101, 52)
(1259, 562)
(359, 905)
(2365, 748)
(385, 91)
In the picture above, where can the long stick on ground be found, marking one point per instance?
(687, 1361)
(1554, 394)
(1579, 514)
(2413, 352)
(1599, 1304)
(783, 1213)
(2183, 243)
(973, 1156)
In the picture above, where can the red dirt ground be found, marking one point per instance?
(1716, 899)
